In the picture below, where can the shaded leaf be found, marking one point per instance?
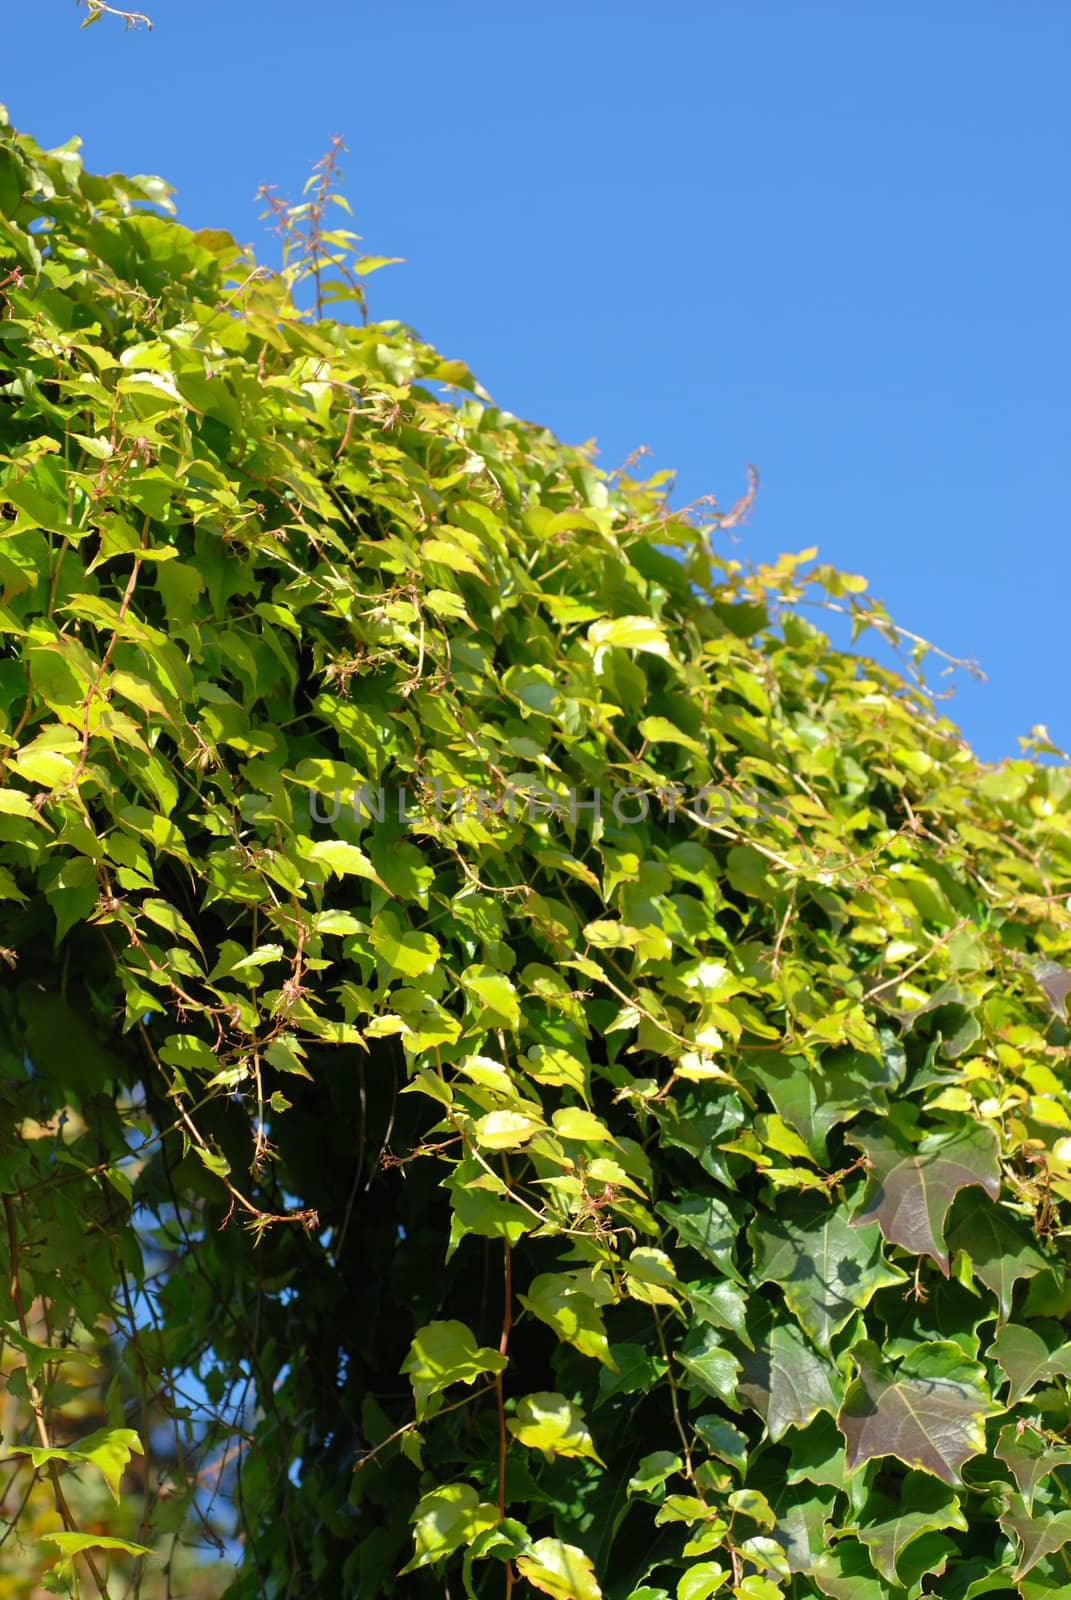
(1036, 1537)
(826, 1267)
(1030, 1457)
(1000, 1248)
(888, 1526)
(1028, 1355)
(783, 1378)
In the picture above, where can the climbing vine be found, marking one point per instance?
(524, 1067)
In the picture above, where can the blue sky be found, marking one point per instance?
(832, 239)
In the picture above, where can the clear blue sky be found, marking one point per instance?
(833, 239)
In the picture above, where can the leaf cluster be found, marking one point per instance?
(550, 1070)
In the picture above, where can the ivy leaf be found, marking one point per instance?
(708, 1226)
(719, 1302)
(109, 1450)
(71, 1544)
(723, 1440)
(912, 1186)
(1030, 1355)
(1037, 1537)
(698, 1583)
(713, 1368)
(652, 1472)
(1030, 1458)
(816, 1453)
(402, 950)
(827, 1268)
(698, 1121)
(443, 1353)
(802, 1513)
(165, 916)
(999, 1247)
(492, 996)
(505, 1130)
(445, 1519)
(929, 1553)
(887, 1526)
(634, 1369)
(783, 1378)
(651, 1276)
(929, 1414)
(560, 1301)
(560, 1570)
(629, 633)
(340, 857)
(845, 1573)
(813, 1097)
(552, 1423)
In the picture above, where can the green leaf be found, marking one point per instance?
(446, 1519)
(493, 997)
(813, 1097)
(402, 951)
(505, 1130)
(782, 1377)
(929, 1414)
(659, 730)
(827, 1268)
(802, 1514)
(552, 1423)
(443, 1353)
(702, 1580)
(1030, 1355)
(723, 1440)
(629, 633)
(561, 1302)
(1036, 1537)
(560, 1570)
(707, 1225)
(999, 1247)
(653, 1470)
(711, 1368)
(651, 1276)
(912, 1186)
(1030, 1458)
(845, 1573)
(341, 858)
(816, 1453)
(109, 1450)
(72, 1544)
(888, 1526)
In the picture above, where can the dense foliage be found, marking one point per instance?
(522, 1064)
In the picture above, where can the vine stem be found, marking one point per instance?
(679, 1425)
(409, 1427)
(36, 1401)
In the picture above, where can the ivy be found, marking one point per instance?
(525, 1068)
